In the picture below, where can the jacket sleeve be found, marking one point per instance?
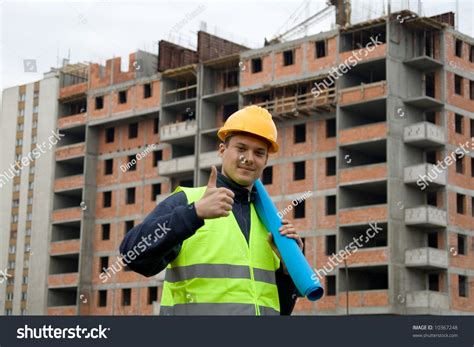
(151, 245)
(287, 292)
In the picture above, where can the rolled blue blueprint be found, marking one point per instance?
(302, 274)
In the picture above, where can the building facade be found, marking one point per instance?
(367, 117)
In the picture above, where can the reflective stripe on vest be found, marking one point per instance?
(181, 273)
(216, 310)
(218, 272)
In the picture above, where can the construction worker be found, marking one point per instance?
(220, 258)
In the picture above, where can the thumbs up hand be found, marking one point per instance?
(216, 202)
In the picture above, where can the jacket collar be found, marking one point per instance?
(241, 193)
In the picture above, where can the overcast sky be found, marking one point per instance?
(93, 31)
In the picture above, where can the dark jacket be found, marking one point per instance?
(180, 217)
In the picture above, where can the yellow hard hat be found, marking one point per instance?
(254, 120)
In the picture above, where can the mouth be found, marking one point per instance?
(246, 169)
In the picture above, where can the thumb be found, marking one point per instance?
(212, 178)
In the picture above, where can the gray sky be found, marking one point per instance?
(93, 31)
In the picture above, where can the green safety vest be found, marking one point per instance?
(217, 273)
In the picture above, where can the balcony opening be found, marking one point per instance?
(471, 90)
(256, 65)
(378, 235)
(66, 231)
(360, 38)
(180, 88)
(430, 84)
(364, 73)
(431, 157)
(432, 239)
(179, 151)
(433, 282)
(72, 108)
(432, 198)
(62, 297)
(69, 167)
(67, 199)
(365, 278)
(430, 117)
(267, 175)
(365, 153)
(230, 79)
(363, 194)
(64, 264)
(72, 136)
(229, 109)
(369, 112)
(156, 125)
(458, 122)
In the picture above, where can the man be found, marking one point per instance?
(219, 256)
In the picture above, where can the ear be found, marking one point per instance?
(221, 149)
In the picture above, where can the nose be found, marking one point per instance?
(245, 160)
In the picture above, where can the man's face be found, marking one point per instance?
(242, 147)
